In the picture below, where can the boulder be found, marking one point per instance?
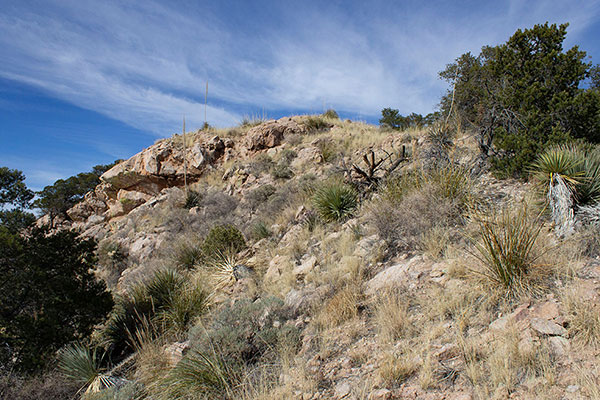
(271, 133)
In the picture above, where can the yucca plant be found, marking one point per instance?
(222, 269)
(82, 365)
(570, 176)
(507, 247)
(565, 161)
(335, 201)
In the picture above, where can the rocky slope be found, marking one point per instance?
(412, 320)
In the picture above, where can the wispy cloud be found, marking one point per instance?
(147, 64)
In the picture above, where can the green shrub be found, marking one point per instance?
(168, 302)
(261, 164)
(281, 171)
(287, 155)
(260, 230)
(223, 239)
(248, 332)
(187, 255)
(82, 366)
(335, 201)
(507, 247)
(192, 199)
(523, 96)
(329, 150)
(316, 123)
(260, 195)
(331, 113)
(206, 374)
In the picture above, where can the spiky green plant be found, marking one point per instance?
(335, 201)
(204, 374)
(79, 364)
(588, 190)
(189, 302)
(507, 247)
(82, 365)
(563, 160)
(192, 199)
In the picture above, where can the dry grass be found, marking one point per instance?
(584, 317)
(342, 307)
(391, 316)
(397, 366)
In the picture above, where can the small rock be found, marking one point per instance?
(380, 394)
(546, 327)
(559, 345)
(342, 389)
(572, 388)
(306, 266)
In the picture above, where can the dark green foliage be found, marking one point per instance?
(187, 255)
(223, 239)
(48, 295)
(56, 199)
(16, 220)
(392, 119)
(192, 199)
(316, 124)
(167, 302)
(331, 113)
(335, 201)
(13, 190)
(522, 96)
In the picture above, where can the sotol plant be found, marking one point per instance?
(335, 201)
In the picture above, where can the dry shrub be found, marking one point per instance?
(50, 386)
(402, 224)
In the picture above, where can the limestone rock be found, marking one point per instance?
(545, 327)
(162, 165)
(397, 274)
(271, 133)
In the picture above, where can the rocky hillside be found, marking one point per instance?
(362, 271)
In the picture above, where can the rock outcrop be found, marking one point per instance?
(271, 133)
(131, 183)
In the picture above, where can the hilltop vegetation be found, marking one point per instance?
(312, 257)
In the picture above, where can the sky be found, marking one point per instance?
(87, 82)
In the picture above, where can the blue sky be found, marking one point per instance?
(85, 82)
